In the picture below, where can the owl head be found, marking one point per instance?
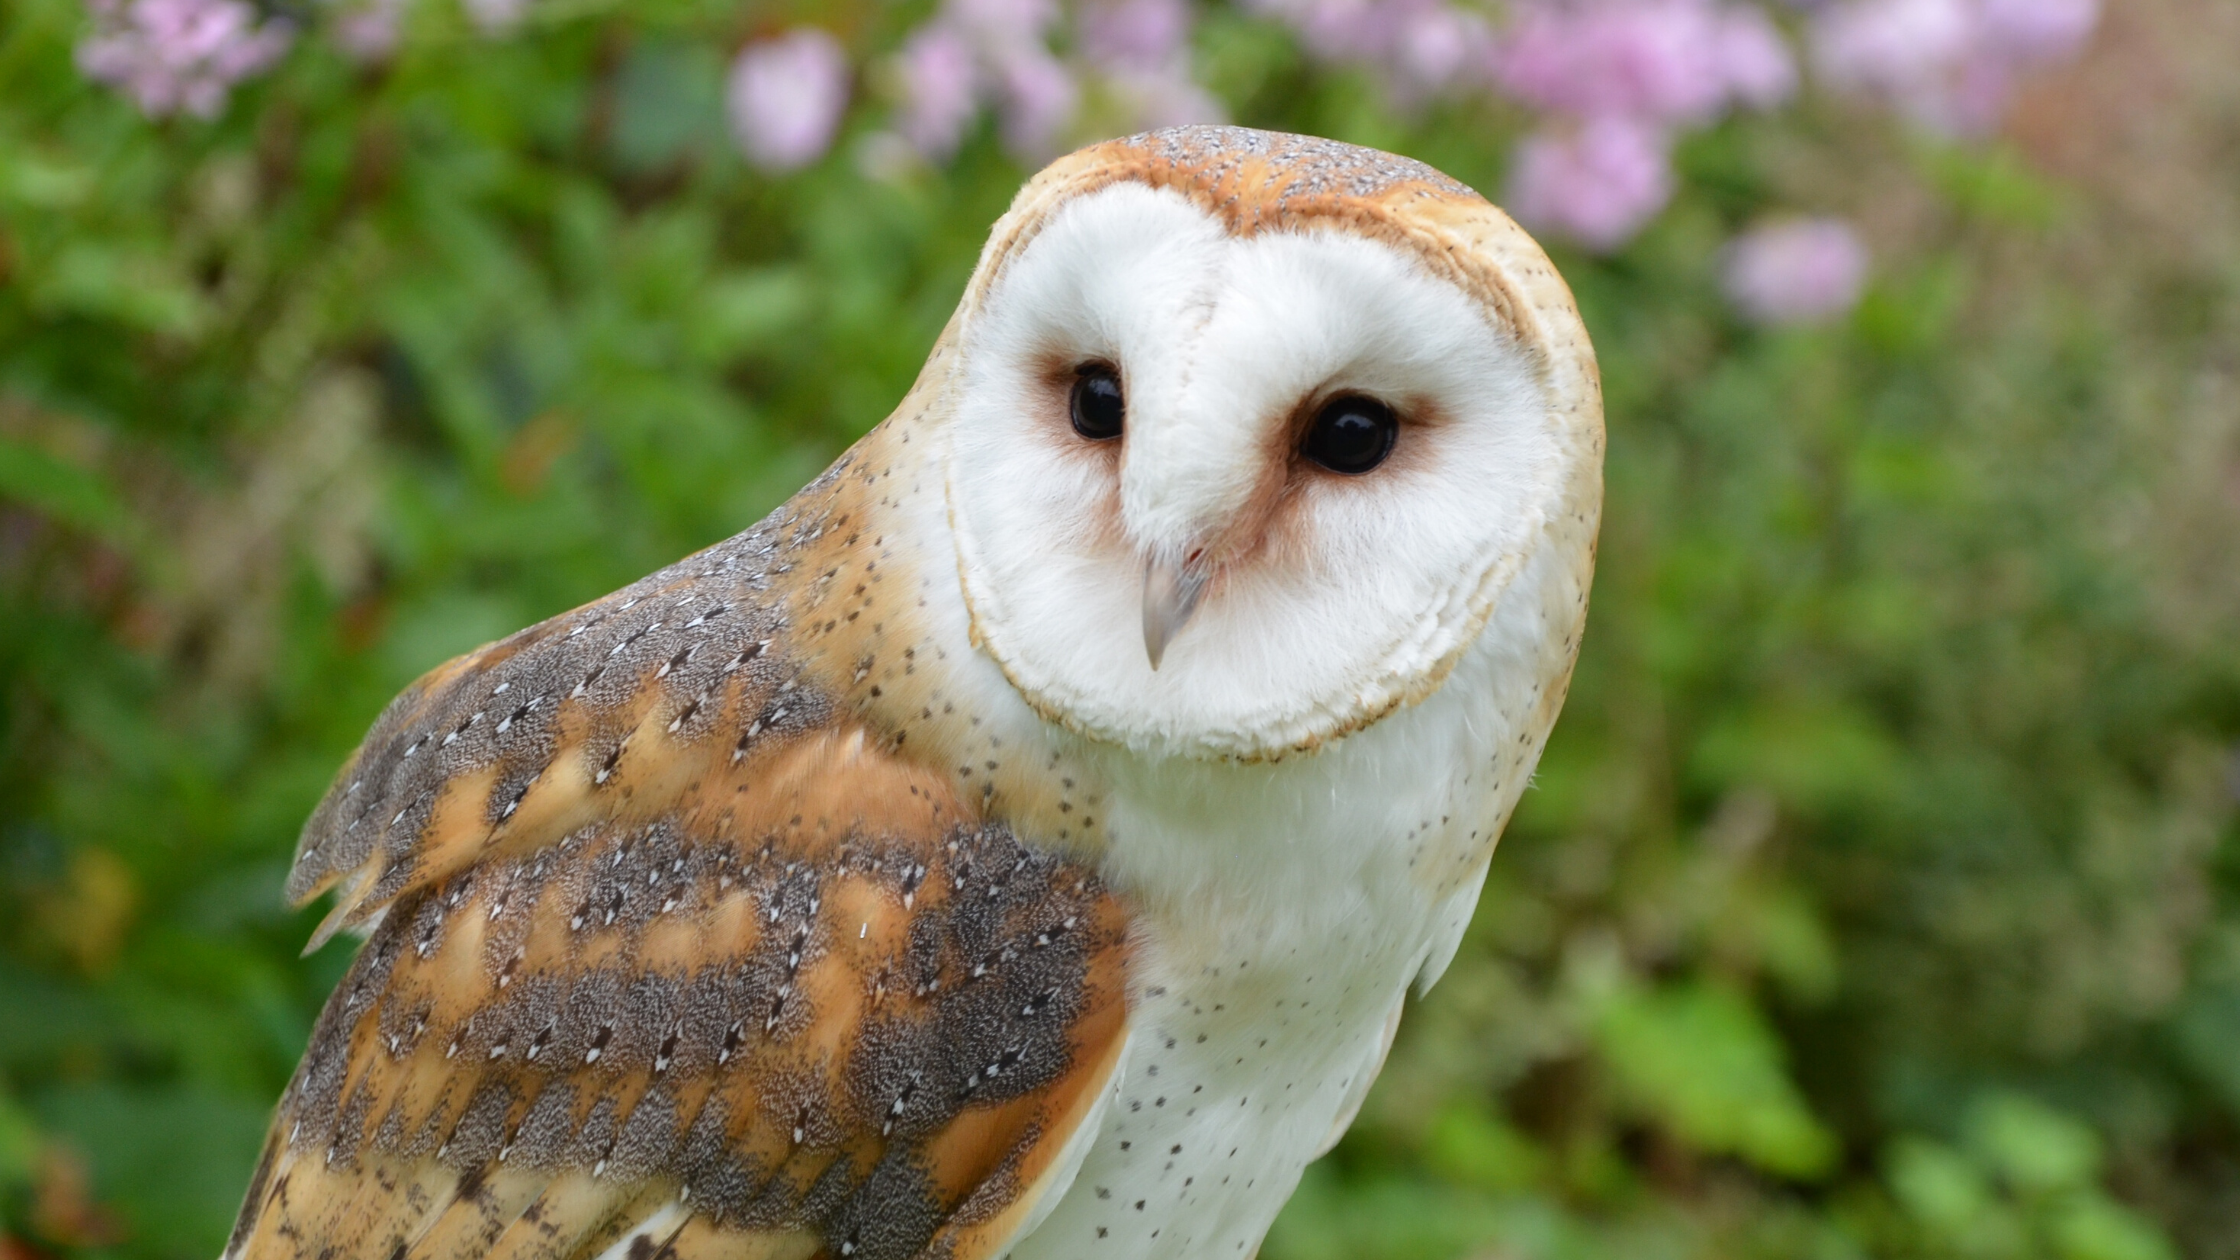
(1248, 437)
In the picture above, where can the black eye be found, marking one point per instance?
(1098, 409)
(1351, 434)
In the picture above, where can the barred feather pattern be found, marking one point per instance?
(671, 948)
(856, 1047)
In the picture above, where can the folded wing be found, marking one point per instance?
(672, 958)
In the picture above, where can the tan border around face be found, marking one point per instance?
(1266, 181)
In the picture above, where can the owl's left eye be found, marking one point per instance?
(1099, 409)
(1351, 434)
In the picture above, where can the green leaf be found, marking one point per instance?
(1936, 1185)
(107, 280)
(2206, 1032)
(19, 1142)
(1471, 1147)
(34, 180)
(2092, 1227)
(1816, 755)
(743, 312)
(2030, 1144)
(174, 1160)
(1995, 182)
(1700, 1060)
(1794, 945)
(64, 491)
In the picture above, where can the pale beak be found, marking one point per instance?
(1170, 595)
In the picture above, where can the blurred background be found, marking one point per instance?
(1880, 892)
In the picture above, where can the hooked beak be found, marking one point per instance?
(1170, 594)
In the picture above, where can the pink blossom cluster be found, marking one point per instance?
(1950, 64)
(1617, 80)
(1799, 271)
(1596, 181)
(171, 56)
(1137, 52)
(986, 51)
(367, 31)
(496, 17)
(1418, 48)
(980, 54)
(1613, 81)
(1612, 85)
(1665, 62)
(786, 97)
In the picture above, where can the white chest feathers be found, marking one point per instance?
(1286, 910)
(1231, 1085)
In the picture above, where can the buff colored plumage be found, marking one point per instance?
(811, 898)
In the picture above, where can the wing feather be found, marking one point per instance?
(566, 1212)
(669, 955)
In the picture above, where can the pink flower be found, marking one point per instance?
(1418, 47)
(1671, 61)
(1754, 60)
(2037, 31)
(1002, 21)
(1335, 29)
(173, 55)
(1141, 49)
(1164, 98)
(976, 52)
(786, 98)
(1038, 96)
(1950, 64)
(368, 31)
(1797, 272)
(940, 89)
(1433, 47)
(1597, 184)
(497, 17)
(1891, 46)
(1135, 34)
(1969, 99)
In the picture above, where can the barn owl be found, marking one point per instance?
(1020, 842)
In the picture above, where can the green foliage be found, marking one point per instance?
(2022, 1183)
(1878, 896)
(1701, 1061)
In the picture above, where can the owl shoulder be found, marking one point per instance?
(663, 939)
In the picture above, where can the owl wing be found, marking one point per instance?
(669, 957)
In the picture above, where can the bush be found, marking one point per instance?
(1878, 895)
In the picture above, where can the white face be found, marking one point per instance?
(1323, 598)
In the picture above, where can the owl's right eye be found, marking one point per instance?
(1098, 408)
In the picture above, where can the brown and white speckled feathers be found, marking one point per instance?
(860, 887)
(659, 922)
